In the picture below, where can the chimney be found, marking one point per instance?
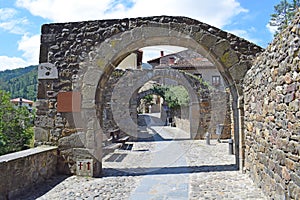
(161, 53)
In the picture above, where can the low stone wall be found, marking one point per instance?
(181, 118)
(23, 169)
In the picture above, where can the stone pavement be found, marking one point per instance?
(162, 164)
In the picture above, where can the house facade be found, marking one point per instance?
(193, 63)
(22, 102)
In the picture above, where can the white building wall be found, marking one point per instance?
(130, 62)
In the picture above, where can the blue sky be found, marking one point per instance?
(21, 20)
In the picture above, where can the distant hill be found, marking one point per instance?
(20, 82)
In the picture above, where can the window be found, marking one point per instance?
(216, 80)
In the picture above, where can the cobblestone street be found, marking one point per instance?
(162, 164)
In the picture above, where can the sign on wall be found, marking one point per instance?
(84, 167)
(47, 71)
(68, 102)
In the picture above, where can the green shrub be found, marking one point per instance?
(16, 126)
(175, 96)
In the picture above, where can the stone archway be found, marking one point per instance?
(85, 54)
(134, 80)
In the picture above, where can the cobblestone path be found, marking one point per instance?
(162, 164)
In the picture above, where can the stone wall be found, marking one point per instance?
(103, 104)
(272, 116)
(220, 114)
(22, 170)
(134, 80)
(181, 117)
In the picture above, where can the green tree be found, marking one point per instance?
(284, 13)
(148, 99)
(175, 96)
(16, 128)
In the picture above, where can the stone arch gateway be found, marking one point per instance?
(134, 80)
(77, 58)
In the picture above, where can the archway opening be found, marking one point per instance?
(215, 83)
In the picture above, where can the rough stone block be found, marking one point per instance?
(41, 134)
(291, 88)
(289, 97)
(48, 38)
(221, 47)
(295, 178)
(237, 71)
(208, 40)
(285, 174)
(76, 140)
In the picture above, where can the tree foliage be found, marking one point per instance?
(148, 99)
(20, 82)
(16, 128)
(284, 13)
(175, 96)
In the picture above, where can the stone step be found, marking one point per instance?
(122, 140)
(111, 148)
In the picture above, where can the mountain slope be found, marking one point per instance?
(20, 82)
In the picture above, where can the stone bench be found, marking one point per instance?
(114, 134)
(123, 140)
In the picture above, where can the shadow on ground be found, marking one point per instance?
(40, 189)
(113, 172)
(154, 136)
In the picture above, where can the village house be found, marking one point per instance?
(23, 102)
(193, 63)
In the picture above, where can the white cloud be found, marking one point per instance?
(14, 25)
(10, 22)
(7, 13)
(65, 10)
(272, 29)
(30, 47)
(11, 63)
(245, 34)
(214, 12)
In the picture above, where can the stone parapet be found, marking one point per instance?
(22, 170)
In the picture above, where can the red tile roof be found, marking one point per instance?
(18, 100)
